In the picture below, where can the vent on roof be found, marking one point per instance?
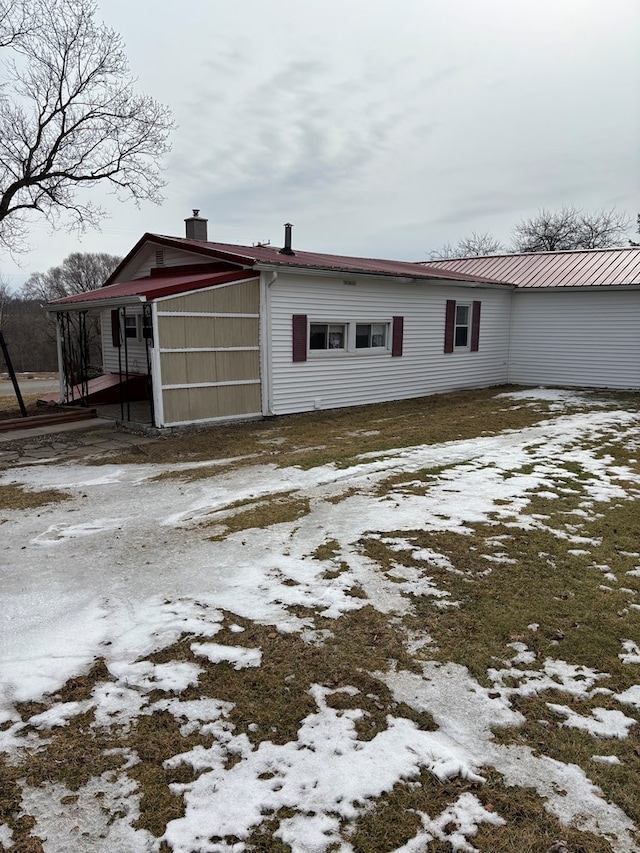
(286, 249)
(159, 257)
(196, 227)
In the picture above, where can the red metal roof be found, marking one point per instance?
(153, 287)
(260, 256)
(582, 268)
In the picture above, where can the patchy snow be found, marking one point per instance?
(631, 652)
(612, 760)
(601, 723)
(465, 815)
(217, 653)
(126, 567)
(559, 399)
(630, 696)
(6, 836)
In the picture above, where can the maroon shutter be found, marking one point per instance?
(115, 327)
(397, 336)
(449, 325)
(299, 337)
(475, 327)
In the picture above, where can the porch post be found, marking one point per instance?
(61, 372)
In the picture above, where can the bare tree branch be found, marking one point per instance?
(73, 121)
(472, 246)
(16, 21)
(570, 228)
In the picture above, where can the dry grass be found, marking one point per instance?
(14, 496)
(337, 436)
(533, 578)
(252, 514)
(9, 407)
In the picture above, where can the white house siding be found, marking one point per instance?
(588, 339)
(136, 350)
(329, 379)
(146, 259)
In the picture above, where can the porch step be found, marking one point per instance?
(108, 388)
(52, 419)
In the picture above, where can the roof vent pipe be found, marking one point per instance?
(286, 249)
(196, 227)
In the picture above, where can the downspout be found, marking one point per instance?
(266, 360)
(510, 339)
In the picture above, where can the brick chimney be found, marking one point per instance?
(196, 227)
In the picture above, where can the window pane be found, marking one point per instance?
(336, 337)
(363, 335)
(318, 336)
(462, 315)
(379, 335)
(462, 335)
(131, 327)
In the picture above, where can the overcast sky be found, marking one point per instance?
(384, 128)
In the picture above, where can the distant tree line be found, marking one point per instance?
(30, 333)
(563, 230)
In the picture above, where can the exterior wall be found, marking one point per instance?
(209, 354)
(136, 349)
(332, 379)
(588, 339)
(145, 260)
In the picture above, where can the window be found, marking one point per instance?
(347, 338)
(327, 336)
(371, 335)
(461, 332)
(462, 326)
(131, 327)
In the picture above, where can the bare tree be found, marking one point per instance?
(570, 228)
(79, 272)
(5, 302)
(70, 119)
(636, 242)
(472, 246)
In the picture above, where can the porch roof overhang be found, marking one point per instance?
(146, 289)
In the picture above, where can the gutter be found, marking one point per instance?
(340, 272)
(80, 305)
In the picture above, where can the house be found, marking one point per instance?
(218, 332)
(575, 315)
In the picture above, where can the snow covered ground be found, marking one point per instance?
(124, 568)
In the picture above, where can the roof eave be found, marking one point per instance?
(82, 304)
(271, 266)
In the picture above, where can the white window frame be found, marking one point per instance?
(327, 348)
(350, 348)
(456, 325)
(138, 327)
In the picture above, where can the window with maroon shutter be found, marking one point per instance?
(475, 327)
(299, 337)
(115, 327)
(397, 336)
(462, 326)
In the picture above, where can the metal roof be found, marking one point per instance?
(259, 257)
(581, 268)
(151, 287)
